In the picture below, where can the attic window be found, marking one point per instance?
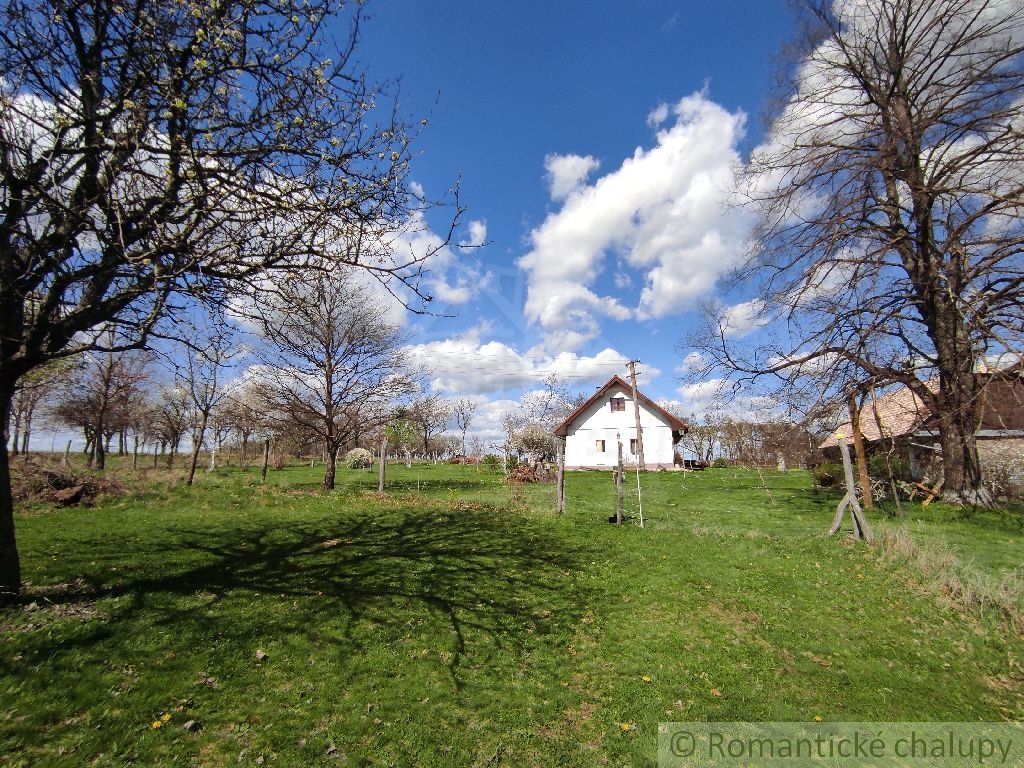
(618, 404)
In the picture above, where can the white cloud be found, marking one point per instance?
(743, 318)
(663, 211)
(567, 173)
(658, 115)
(467, 364)
(722, 398)
(451, 278)
(476, 234)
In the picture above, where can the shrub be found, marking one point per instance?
(719, 464)
(828, 475)
(880, 465)
(358, 458)
(491, 461)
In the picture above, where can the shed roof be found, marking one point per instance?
(677, 424)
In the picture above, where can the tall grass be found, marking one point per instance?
(944, 574)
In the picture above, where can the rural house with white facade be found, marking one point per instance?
(591, 431)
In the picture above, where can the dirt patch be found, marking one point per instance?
(740, 621)
(43, 606)
(50, 483)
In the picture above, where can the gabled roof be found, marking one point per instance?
(677, 424)
(899, 412)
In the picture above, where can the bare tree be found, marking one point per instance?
(327, 356)
(463, 411)
(199, 372)
(172, 417)
(431, 415)
(889, 199)
(32, 391)
(153, 154)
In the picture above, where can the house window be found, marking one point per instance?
(633, 446)
(599, 444)
(618, 404)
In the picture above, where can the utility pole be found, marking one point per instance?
(636, 413)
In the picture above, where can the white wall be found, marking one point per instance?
(598, 422)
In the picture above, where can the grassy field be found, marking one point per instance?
(458, 622)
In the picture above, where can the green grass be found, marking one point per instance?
(456, 622)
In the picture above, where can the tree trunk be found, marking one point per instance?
(15, 432)
(10, 565)
(67, 451)
(135, 452)
(961, 466)
(197, 446)
(266, 461)
(331, 468)
(26, 435)
(99, 453)
(383, 465)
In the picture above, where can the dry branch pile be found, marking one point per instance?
(34, 481)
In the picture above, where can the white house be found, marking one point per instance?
(591, 430)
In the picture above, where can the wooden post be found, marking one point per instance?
(266, 460)
(861, 529)
(858, 450)
(560, 477)
(67, 450)
(636, 416)
(618, 483)
(383, 464)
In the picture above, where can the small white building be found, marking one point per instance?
(591, 431)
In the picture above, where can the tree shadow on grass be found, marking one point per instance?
(489, 578)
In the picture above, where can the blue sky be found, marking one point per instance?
(594, 141)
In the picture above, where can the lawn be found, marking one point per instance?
(458, 622)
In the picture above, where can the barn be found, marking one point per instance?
(591, 431)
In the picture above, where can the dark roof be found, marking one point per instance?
(677, 424)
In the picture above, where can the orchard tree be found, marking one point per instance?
(463, 411)
(431, 415)
(153, 154)
(328, 357)
(201, 361)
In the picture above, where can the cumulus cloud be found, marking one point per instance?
(476, 234)
(467, 364)
(452, 278)
(658, 115)
(663, 211)
(719, 396)
(567, 173)
(741, 319)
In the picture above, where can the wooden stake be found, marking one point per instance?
(560, 477)
(266, 460)
(858, 450)
(861, 529)
(618, 484)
